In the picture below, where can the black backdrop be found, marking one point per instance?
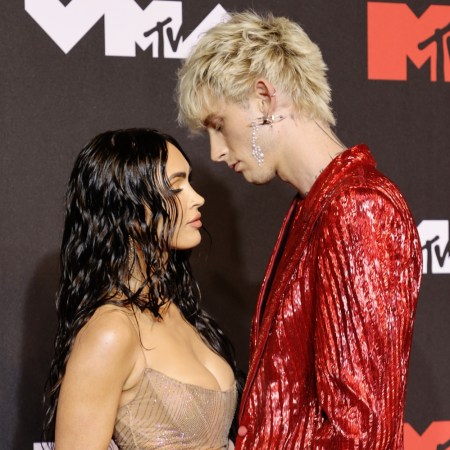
(52, 102)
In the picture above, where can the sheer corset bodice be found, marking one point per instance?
(169, 414)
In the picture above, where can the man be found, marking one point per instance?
(331, 334)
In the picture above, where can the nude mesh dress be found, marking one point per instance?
(169, 414)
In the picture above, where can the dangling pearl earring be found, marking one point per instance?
(257, 152)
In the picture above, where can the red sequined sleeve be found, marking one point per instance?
(368, 274)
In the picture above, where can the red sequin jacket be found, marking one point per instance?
(331, 335)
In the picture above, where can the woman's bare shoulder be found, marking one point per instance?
(101, 361)
(110, 335)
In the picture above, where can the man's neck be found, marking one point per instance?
(308, 147)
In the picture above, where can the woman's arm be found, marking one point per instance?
(101, 360)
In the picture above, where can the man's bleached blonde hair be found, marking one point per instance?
(230, 57)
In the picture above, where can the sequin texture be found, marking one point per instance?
(169, 414)
(332, 331)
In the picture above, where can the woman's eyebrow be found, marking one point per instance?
(181, 175)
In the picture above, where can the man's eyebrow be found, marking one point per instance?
(209, 120)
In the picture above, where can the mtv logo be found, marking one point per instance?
(434, 237)
(126, 24)
(435, 437)
(395, 35)
(46, 446)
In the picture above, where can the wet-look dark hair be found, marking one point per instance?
(119, 200)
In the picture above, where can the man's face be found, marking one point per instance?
(230, 134)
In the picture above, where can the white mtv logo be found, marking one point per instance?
(126, 24)
(47, 446)
(434, 237)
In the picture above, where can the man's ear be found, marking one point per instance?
(265, 92)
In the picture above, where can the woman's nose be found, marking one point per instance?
(198, 199)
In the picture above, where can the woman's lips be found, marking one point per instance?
(196, 222)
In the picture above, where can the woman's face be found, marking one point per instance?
(187, 230)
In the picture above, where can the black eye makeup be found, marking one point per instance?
(177, 178)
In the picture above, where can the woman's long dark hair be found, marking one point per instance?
(118, 196)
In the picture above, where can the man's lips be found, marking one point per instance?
(234, 166)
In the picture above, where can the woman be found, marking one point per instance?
(135, 357)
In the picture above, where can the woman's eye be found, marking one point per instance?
(175, 190)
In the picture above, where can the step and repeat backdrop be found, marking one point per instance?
(72, 69)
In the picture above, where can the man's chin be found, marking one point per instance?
(258, 180)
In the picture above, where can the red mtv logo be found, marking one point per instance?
(435, 437)
(395, 33)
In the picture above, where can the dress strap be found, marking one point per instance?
(135, 324)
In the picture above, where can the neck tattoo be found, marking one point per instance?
(323, 168)
(336, 140)
(332, 136)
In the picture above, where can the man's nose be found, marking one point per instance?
(218, 149)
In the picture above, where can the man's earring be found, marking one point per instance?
(257, 152)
